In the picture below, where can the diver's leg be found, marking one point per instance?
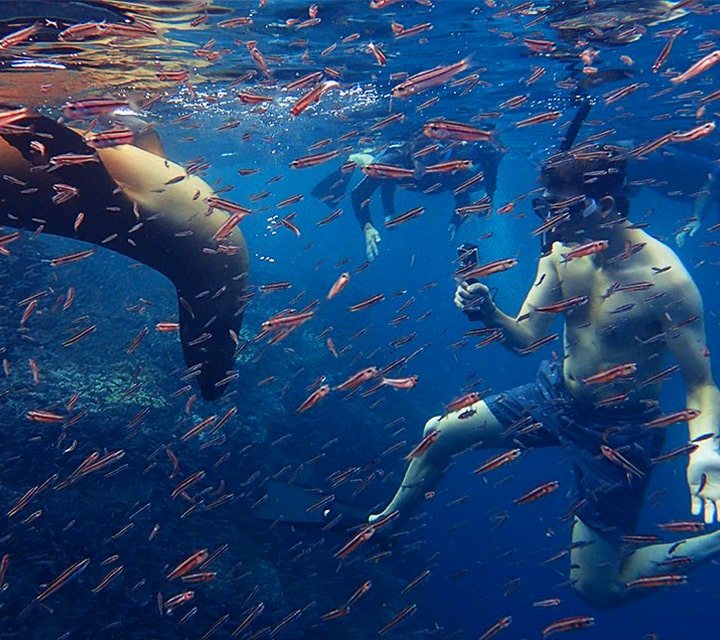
(456, 435)
(518, 417)
(601, 569)
(596, 561)
(670, 558)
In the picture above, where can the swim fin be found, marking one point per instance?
(298, 505)
(332, 188)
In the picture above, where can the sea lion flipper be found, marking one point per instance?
(55, 139)
(206, 334)
(144, 207)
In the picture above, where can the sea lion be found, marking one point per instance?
(146, 207)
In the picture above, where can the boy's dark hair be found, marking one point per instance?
(595, 170)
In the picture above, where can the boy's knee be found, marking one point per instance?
(431, 425)
(600, 594)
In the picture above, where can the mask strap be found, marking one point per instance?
(590, 209)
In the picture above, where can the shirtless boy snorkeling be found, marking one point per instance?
(627, 302)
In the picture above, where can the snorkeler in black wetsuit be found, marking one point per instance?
(485, 158)
(679, 174)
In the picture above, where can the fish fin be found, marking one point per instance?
(292, 504)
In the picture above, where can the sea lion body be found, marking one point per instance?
(148, 208)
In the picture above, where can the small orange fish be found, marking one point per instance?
(496, 628)
(538, 492)
(430, 78)
(400, 383)
(694, 134)
(339, 285)
(331, 346)
(37, 415)
(187, 565)
(701, 65)
(568, 624)
(335, 613)
(176, 601)
(377, 52)
(34, 369)
(461, 402)
(314, 398)
(608, 375)
(378, 297)
(358, 539)
(359, 593)
(686, 526)
(662, 580)
(549, 116)
(449, 130)
(313, 160)
(167, 326)
(358, 378)
(258, 57)
(684, 415)
(498, 461)
(313, 95)
(423, 445)
(587, 249)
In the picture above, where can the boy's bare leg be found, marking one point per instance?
(602, 567)
(456, 435)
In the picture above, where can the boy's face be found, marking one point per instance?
(581, 223)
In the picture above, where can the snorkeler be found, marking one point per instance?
(415, 160)
(627, 302)
(679, 174)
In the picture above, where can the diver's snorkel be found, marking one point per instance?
(568, 140)
(572, 132)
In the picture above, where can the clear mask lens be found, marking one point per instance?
(545, 208)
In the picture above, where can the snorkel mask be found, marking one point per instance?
(545, 208)
(554, 213)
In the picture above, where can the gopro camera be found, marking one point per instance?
(467, 258)
(467, 255)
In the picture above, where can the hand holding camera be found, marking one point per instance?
(474, 300)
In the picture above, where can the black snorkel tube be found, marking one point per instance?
(568, 140)
(572, 131)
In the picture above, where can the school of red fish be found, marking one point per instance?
(312, 87)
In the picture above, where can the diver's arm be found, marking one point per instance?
(709, 193)
(490, 168)
(360, 198)
(528, 326)
(684, 325)
(462, 199)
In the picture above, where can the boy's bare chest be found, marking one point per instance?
(621, 303)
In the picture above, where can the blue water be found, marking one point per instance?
(485, 554)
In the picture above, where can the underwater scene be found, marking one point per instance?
(359, 318)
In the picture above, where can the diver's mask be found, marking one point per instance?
(579, 206)
(563, 210)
